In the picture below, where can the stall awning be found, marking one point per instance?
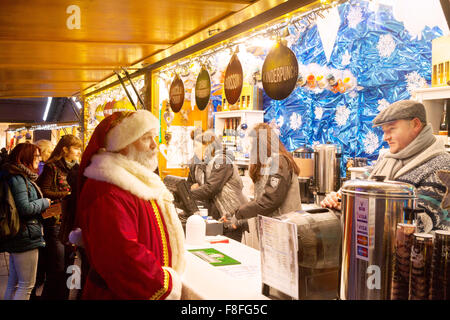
(56, 48)
(46, 51)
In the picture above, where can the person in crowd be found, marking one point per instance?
(54, 185)
(215, 180)
(46, 147)
(275, 177)
(3, 157)
(21, 174)
(131, 232)
(414, 157)
(68, 231)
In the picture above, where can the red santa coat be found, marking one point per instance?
(132, 235)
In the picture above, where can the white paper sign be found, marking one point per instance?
(181, 148)
(279, 259)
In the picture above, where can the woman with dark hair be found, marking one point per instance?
(275, 176)
(54, 184)
(21, 174)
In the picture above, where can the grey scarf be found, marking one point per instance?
(32, 176)
(422, 148)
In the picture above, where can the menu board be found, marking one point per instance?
(279, 252)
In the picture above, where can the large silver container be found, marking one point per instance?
(326, 168)
(371, 212)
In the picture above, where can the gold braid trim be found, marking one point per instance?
(163, 234)
(158, 294)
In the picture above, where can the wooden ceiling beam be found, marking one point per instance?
(6, 66)
(163, 44)
(44, 81)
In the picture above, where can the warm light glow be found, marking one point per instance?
(77, 103)
(47, 108)
(260, 42)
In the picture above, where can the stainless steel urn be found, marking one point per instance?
(327, 158)
(371, 211)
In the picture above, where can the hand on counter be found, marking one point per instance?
(228, 223)
(332, 201)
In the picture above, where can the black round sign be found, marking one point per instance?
(279, 72)
(202, 89)
(234, 80)
(176, 94)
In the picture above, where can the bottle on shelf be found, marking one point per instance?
(224, 105)
(443, 127)
(446, 73)
(236, 131)
(224, 132)
(232, 138)
(228, 130)
(242, 106)
(248, 103)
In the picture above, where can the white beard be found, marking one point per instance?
(147, 159)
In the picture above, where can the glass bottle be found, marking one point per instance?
(443, 127)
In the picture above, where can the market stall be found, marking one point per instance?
(19, 133)
(319, 75)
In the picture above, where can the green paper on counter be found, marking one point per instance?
(214, 257)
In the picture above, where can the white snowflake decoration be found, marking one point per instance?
(295, 121)
(319, 113)
(354, 17)
(382, 104)
(353, 94)
(414, 81)
(346, 57)
(371, 142)
(280, 121)
(386, 45)
(342, 114)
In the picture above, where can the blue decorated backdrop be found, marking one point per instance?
(388, 64)
(386, 60)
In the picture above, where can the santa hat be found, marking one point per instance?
(131, 127)
(114, 133)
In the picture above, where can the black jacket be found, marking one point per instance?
(275, 192)
(220, 174)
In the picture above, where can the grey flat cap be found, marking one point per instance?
(401, 110)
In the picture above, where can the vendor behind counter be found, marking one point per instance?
(215, 180)
(275, 176)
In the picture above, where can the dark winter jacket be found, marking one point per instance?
(30, 205)
(54, 185)
(212, 178)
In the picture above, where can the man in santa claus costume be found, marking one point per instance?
(132, 235)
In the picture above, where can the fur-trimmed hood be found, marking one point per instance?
(131, 176)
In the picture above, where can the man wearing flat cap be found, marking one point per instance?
(415, 156)
(131, 232)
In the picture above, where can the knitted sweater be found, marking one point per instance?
(430, 192)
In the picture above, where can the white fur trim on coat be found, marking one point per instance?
(130, 129)
(131, 176)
